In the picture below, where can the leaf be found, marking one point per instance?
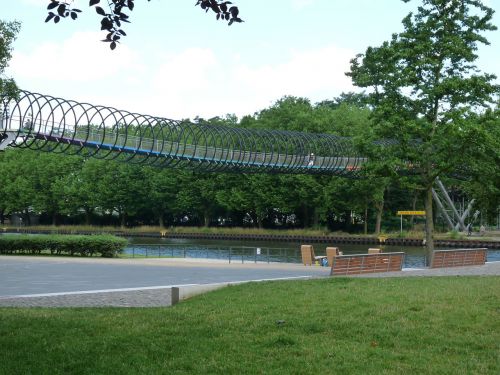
(106, 24)
(53, 4)
(112, 45)
(234, 11)
(94, 2)
(100, 11)
(57, 19)
(130, 4)
(61, 9)
(49, 17)
(74, 15)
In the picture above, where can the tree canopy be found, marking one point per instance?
(8, 33)
(426, 90)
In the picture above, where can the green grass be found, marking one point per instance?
(332, 326)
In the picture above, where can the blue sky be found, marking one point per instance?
(178, 62)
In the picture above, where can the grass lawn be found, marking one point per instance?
(331, 326)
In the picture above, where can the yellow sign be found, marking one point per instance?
(415, 213)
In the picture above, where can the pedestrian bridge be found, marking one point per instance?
(46, 123)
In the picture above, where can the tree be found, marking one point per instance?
(426, 88)
(111, 21)
(8, 32)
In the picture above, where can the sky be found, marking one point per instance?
(178, 62)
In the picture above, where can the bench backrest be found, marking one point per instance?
(331, 252)
(458, 257)
(367, 263)
(307, 252)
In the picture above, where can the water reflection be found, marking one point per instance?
(260, 251)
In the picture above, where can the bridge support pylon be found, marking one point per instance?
(446, 207)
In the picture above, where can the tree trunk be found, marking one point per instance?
(380, 209)
(161, 222)
(315, 218)
(54, 219)
(429, 224)
(366, 220)
(413, 207)
(305, 211)
(206, 218)
(2, 217)
(27, 220)
(123, 218)
(88, 215)
(259, 222)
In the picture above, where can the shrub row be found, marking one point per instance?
(103, 245)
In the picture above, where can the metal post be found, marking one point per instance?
(401, 225)
(230, 255)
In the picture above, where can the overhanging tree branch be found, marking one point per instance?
(112, 20)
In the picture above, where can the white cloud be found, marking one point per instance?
(307, 73)
(301, 4)
(190, 82)
(36, 2)
(189, 70)
(195, 82)
(79, 58)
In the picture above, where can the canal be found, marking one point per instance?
(260, 251)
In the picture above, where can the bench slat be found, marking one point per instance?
(367, 263)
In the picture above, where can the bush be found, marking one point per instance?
(103, 245)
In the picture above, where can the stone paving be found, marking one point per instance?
(147, 293)
(130, 298)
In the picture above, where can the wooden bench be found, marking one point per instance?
(332, 252)
(308, 256)
(367, 263)
(458, 258)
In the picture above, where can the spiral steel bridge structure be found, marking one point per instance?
(46, 123)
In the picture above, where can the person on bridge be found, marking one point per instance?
(311, 160)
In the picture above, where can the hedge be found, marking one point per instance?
(103, 245)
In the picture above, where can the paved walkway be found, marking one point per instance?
(56, 281)
(65, 281)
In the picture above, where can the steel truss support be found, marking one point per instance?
(448, 209)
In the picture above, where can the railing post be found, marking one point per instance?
(230, 255)
(267, 255)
